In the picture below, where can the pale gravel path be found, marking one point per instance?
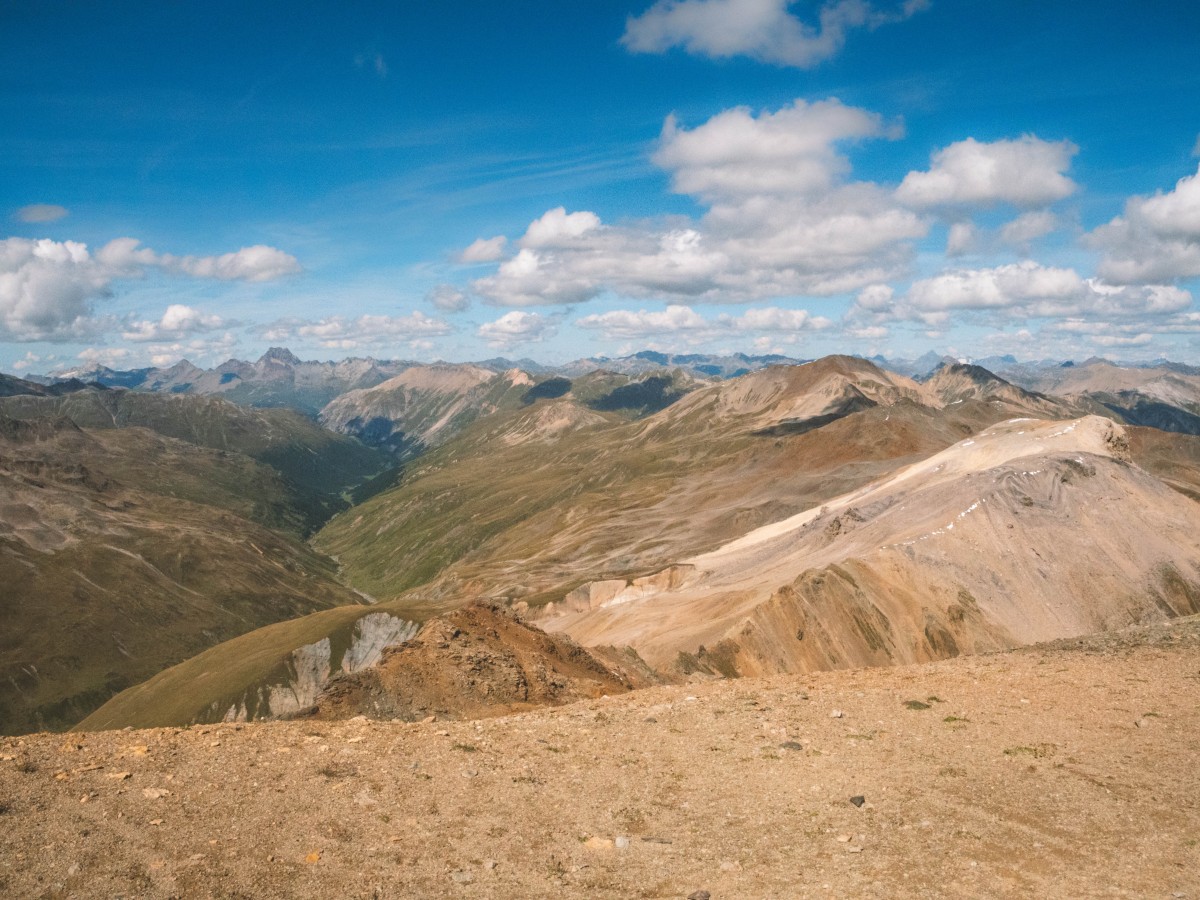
(1063, 795)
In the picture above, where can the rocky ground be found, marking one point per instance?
(1064, 770)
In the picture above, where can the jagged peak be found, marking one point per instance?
(280, 355)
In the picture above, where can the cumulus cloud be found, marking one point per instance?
(736, 154)
(484, 250)
(1029, 290)
(176, 322)
(1157, 238)
(1028, 227)
(515, 328)
(559, 228)
(961, 238)
(685, 323)
(1026, 172)
(448, 298)
(37, 213)
(762, 29)
(343, 333)
(47, 288)
(782, 220)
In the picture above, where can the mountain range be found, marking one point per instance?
(178, 557)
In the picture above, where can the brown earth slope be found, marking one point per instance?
(1066, 770)
(471, 663)
(1029, 531)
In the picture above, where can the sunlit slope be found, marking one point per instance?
(1031, 530)
(526, 502)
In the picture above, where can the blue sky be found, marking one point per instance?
(460, 180)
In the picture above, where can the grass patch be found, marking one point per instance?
(465, 748)
(916, 704)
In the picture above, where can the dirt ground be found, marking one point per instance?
(1070, 770)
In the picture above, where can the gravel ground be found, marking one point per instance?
(1067, 770)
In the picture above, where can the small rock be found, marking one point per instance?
(622, 843)
(489, 864)
(791, 745)
(156, 821)
(651, 720)
(118, 776)
(598, 843)
(859, 800)
(731, 866)
(837, 714)
(73, 870)
(854, 849)
(1140, 723)
(428, 719)
(155, 793)
(699, 895)
(843, 838)
(462, 876)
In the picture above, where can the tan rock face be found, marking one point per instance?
(1029, 531)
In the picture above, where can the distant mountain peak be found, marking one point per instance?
(281, 355)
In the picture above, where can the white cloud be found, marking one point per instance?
(736, 154)
(558, 228)
(177, 321)
(962, 237)
(782, 221)
(257, 263)
(1028, 227)
(105, 356)
(762, 29)
(484, 250)
(338, 332)
(47, 288)
(1157, 239)
(685, 323)
(448, 298)
(1029, 290)
(37, 213)
(1026, 172)
(515, 328)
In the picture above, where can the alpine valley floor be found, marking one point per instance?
(1067, 770)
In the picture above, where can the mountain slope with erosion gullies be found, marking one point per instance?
(315, 460)
(1162, 397)
(123, 552)
(1029, 531)
(424, 406)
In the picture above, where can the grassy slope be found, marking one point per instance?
(220, 675)
(124, 551)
